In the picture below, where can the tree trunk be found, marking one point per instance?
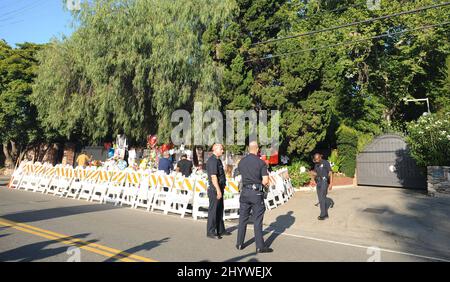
(9, 162)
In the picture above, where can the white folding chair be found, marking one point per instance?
(131, 188)
(87, 184)
(100, 187)
(55, 183)
(27, 177)
(46, 180)
(17, 175)
(115, 187)
(34, 178)
(143, 197)
(163, 192)
(181, 196)
(76, 185)
(231, 200)
(270, 201)
(201, 201)
(64, 181)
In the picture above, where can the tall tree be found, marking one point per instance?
(18, 125)
(128, 66)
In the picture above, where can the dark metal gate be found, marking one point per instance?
(387, 162)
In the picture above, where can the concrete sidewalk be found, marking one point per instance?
(382, 217)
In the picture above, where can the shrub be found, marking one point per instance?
(347, 145)
(335, 161)
(299, 178)
(428, 139)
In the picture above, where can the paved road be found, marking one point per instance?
(38, 227)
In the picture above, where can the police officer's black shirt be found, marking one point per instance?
(252, 169)
(322, 169)
(214, 166)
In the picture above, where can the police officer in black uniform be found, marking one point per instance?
(323, 178)
(215, 226)
(254, 178)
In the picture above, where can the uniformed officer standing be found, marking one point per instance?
(215, 226)
(323, 178)
(254, 177)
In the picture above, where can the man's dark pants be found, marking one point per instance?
(322, 189)
(251, 200)
(215, 224)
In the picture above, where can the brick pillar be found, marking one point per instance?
(69, 153)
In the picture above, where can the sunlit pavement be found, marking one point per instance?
(366, 224)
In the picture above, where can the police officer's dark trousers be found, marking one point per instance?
(322, 189)
(215, 224)
(251, 200)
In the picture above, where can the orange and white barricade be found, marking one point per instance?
(201, 200)
(231, 200)
(34, 177)
(144, 195)
(131, 188)
(79, 174)
(181, 196)
(46, 180)
(163, 192)
(64, 181)
(88, 183)
(115, 186)
(100, 187)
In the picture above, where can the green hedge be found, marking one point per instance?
(347, 145)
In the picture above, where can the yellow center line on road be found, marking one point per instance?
(68, 240)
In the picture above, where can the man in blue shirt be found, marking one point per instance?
(165, 164)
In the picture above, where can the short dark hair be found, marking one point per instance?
(184, 156)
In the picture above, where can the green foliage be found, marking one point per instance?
(128, 67)
(19, 126)
(335, 161)
(299, 178)
(429, 140)
(347, 146)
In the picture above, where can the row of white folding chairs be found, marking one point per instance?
(169, 196)
(280, 191)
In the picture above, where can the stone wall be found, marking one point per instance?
(438, 179)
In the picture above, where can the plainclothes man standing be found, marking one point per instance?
(323, 178)
(215, 226)
(254, 177)
(165, 164)
(185, 166)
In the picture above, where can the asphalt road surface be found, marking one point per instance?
(38, 227)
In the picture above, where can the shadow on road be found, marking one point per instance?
(281, 224)
(143, 247)
(240, 258)
(4, 235)
(37, 215)
(39, 251)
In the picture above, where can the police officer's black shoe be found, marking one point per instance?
(212, 236)
(322, 217)
(239, 247)
(264, 250)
